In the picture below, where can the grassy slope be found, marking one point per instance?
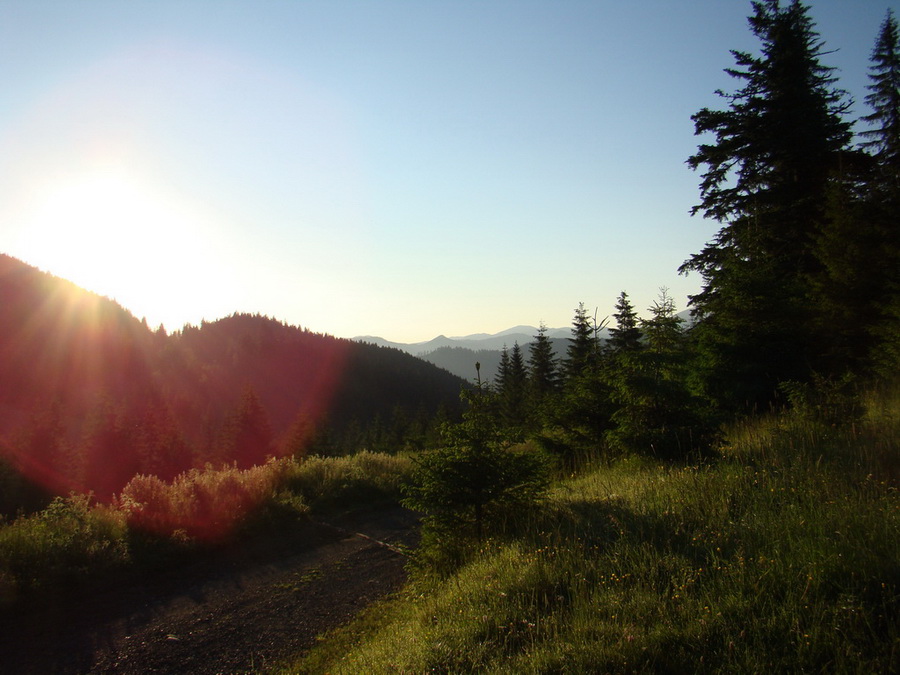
(782, 556)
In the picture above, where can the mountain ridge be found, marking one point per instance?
(523, 334)
(91, 396)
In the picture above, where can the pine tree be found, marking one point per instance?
(626, 336)
(510, 384)
(247, 436)
(884, 97)
(581, 353)
(656, 413)
(502, 369)
(462, 487)
(583, 411)
(882, 200)
(514, 395)
(859, 250)
(766, 179)
(543, 373)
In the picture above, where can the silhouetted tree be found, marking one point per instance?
(883, 197)
(109, 451)
(581, 354)
(766, 179)
(583, 410)
(502, 369)
(859, 250)
(512, 394)
(543, 372)
(884, 98)
(626, 336)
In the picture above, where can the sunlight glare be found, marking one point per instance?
(116, 236)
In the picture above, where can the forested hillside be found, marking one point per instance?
(91, 396)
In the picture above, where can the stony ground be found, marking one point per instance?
(242, 611)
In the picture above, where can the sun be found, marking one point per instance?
(120, 237)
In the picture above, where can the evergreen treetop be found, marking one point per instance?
(542, 364)
(583, 345)
(884, 96)
(626, 336)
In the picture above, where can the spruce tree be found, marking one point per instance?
(247, 438)
(581, 353)
(626, 336)
(543, 374)
(881, 209)
(584, 408)
(656, 413)
(465, 486)
(884, 97)
(510, 387)
(513, 396)
(766, 179)
(502, 370)
(859, 251)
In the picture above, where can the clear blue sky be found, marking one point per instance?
(400, 169)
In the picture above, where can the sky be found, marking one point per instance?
(392, 168)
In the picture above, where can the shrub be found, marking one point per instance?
(207, 505)
(67, 541)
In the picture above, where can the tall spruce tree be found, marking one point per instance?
(502, 374)
(766, 177)
(884, 97)
(626, 336)
(882, 199)
(511, 386)
(623, 350)
(543, 373)
(581, 354)
(583, 410)
(859, 251)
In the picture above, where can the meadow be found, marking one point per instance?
(780, 554)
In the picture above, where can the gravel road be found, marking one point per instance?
(241, 612)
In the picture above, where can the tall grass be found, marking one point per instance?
(342, 482)
(783, 556)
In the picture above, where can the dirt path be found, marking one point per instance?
(240, 613)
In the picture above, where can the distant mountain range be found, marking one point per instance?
(459, 355)
(475, 342)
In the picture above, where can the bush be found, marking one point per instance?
(67, 541)
(207, 505)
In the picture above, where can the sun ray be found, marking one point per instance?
(112, 234)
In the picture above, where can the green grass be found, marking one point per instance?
(782, 556)
(344, 482)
